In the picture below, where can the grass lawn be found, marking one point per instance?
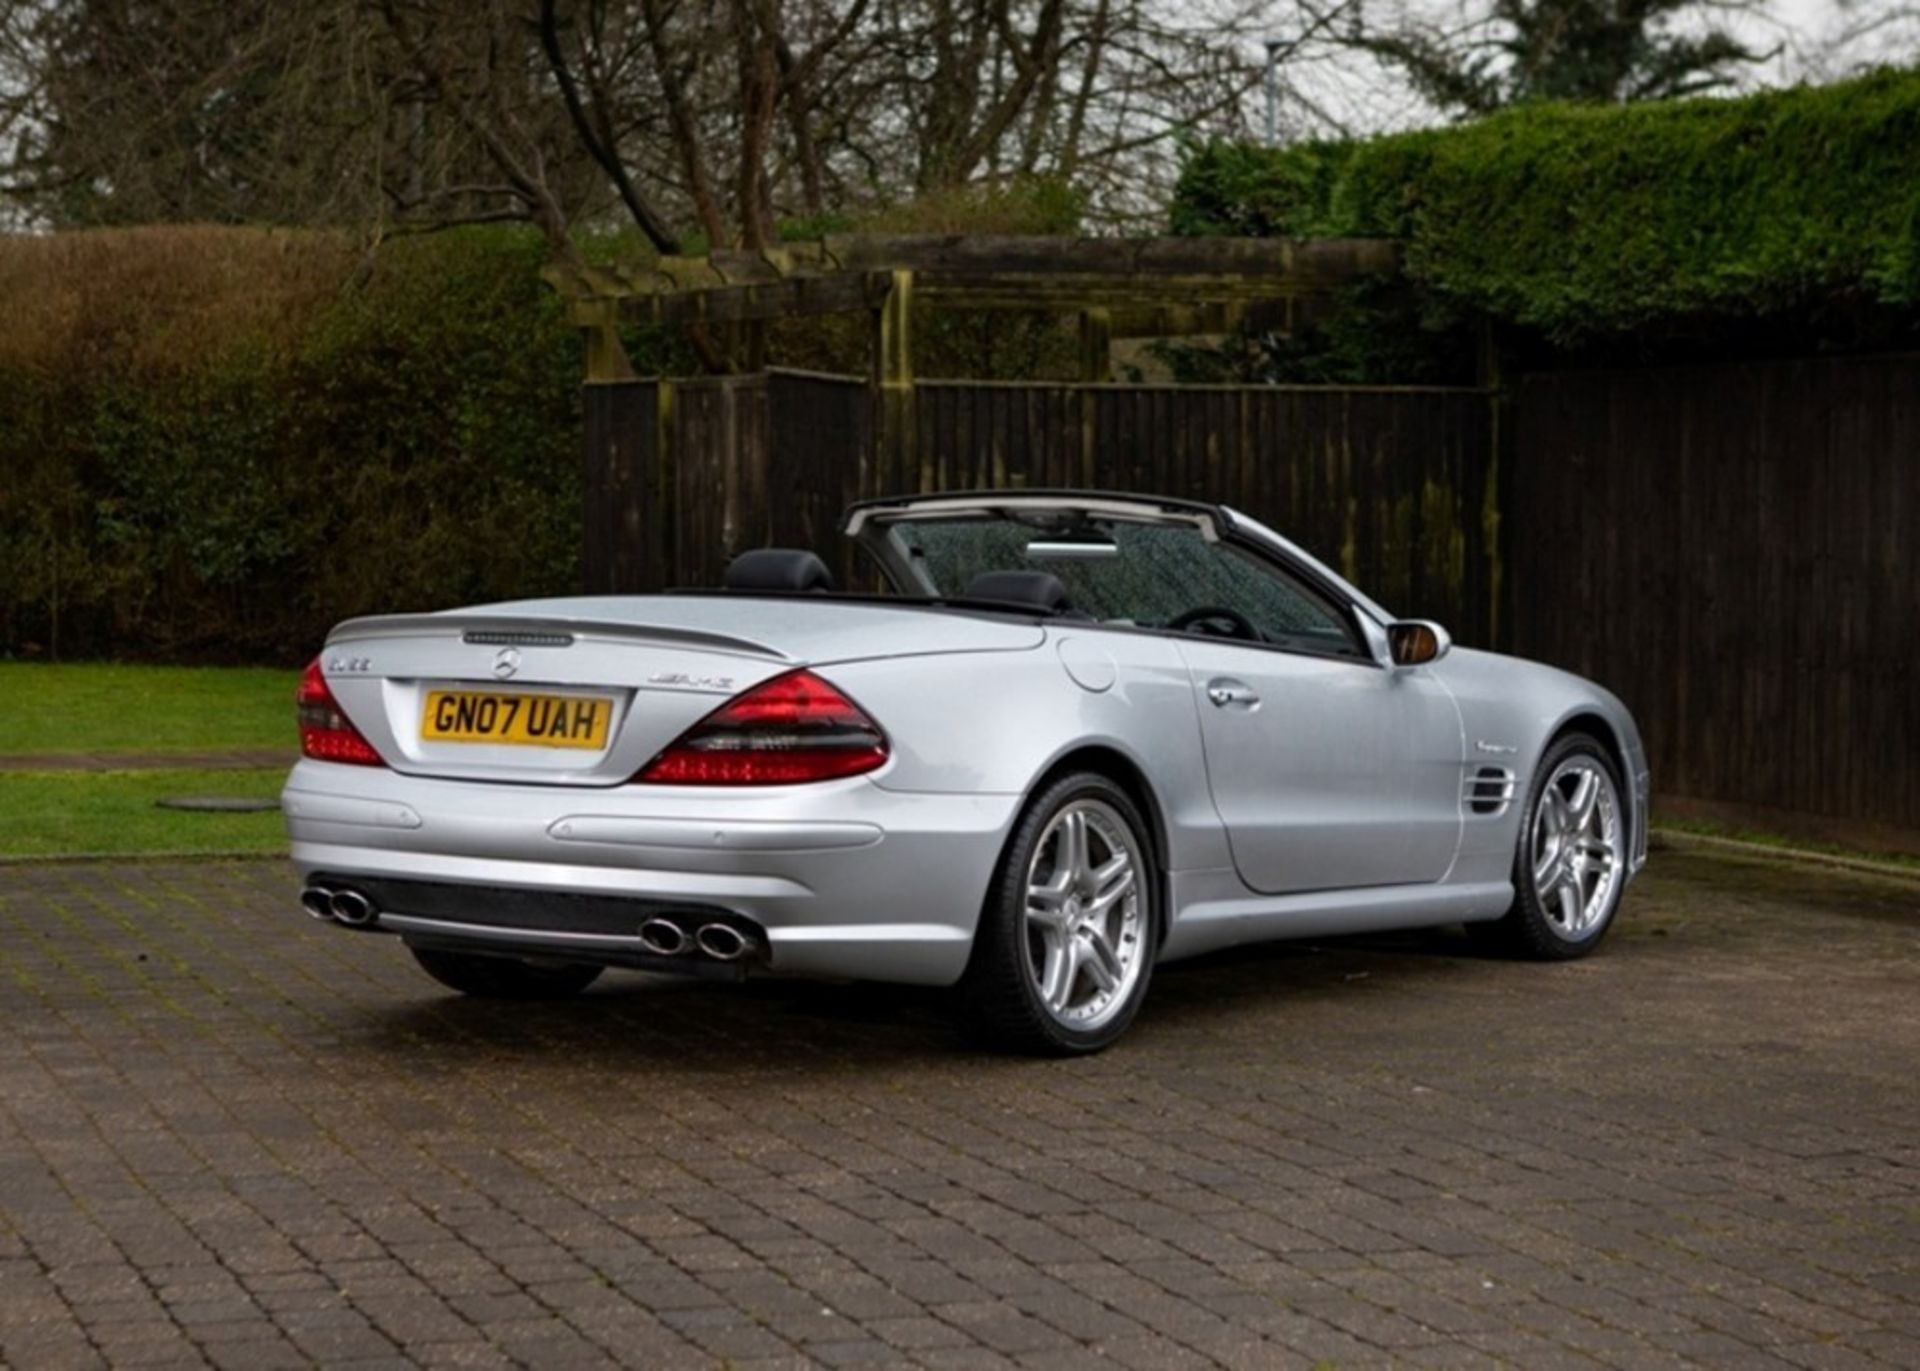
(104, 708)
(100, 707)
(60, 813)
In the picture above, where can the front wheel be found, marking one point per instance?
(1066, 941)
(1570, 865)
(504, 978)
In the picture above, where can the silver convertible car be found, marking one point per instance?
(1080, 735)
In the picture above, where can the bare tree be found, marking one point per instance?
(174, 109)
(712, 120)
(731, 115)
(480, 75)
(21, 65)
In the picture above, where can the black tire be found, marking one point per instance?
(1000, 1002)
(505, 978)
(1530, 929)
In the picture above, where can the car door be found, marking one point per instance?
(1327, 773)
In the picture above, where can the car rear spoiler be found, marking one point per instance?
(538, 630)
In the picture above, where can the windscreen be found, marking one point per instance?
(1122, 571)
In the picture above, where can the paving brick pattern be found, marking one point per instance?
(230, 1136)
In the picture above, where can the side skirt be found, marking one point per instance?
(1210, 918)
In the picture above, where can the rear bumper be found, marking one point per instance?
(845, 879)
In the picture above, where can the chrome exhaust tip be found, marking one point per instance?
(723, 942)
(352, 908)
(664, 938)
(317, 900)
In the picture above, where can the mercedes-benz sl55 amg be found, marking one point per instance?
(1080, 734)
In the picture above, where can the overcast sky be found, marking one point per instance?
(1808, 40)
(1827, 39)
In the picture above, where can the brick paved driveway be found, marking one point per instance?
(229, 1134)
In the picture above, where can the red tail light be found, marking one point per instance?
(793, 728)
(326, 733)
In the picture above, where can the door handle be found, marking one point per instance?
(1224, 691)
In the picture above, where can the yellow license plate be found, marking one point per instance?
(487, 716)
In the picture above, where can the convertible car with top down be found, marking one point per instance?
(1080, 734)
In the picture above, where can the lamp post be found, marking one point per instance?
(1274, 48)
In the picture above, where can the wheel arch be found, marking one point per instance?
(1111, 762)
(1603, 730)
(1124, 772)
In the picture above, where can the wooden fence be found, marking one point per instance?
(1390, 485)
(1729, 548)
(1735, 550)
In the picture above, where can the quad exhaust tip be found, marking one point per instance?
(352, 908)
(723, 942)
(349, 907)
(664, 938)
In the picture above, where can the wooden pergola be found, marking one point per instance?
(1118, 287)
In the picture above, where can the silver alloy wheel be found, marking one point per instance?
(1084, 933)
(1575, 848)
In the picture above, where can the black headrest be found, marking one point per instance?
(778, 568)
(1040, 589)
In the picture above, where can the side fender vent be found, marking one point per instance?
(1488, 790)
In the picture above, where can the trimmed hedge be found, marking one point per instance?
(214, 442)
(1585, 221)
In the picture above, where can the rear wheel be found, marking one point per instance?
(1066, 942)
(505, 978)
(1570, 865)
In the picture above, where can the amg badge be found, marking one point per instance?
(679, 680)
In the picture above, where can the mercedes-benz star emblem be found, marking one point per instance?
(506, 661)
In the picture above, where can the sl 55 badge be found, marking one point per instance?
(679, 680)
(342, 665)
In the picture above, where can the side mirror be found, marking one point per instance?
(1415, 642)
